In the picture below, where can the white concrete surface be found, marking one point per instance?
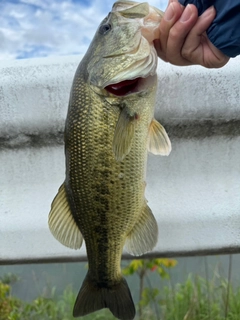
(194, 193)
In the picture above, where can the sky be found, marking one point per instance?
(42, 28)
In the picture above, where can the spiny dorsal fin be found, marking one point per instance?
(144, 234)
(61, 222)
(124, 134)
(158, 140)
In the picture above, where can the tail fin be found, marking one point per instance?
(93, 297)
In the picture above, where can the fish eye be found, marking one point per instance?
(105, 28)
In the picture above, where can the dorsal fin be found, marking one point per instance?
(61, 222)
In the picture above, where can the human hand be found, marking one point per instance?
(183, 39)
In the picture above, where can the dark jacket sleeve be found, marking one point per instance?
(224, 32)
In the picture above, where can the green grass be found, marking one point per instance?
(195, 299)
(54, 308)
(198, 299)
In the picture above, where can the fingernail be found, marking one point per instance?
(186, 14)
(169, 13)
(208, 12)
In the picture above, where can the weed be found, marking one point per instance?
(196, 299)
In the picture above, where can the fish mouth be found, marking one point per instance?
(124, 88)
(127, 87)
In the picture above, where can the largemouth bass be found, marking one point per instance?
(109, 129)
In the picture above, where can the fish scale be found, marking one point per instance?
(121, 188)
(109, 129)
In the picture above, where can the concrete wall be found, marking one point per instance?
(194, 193)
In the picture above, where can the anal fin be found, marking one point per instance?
(61, 222)
(143, 237)
(158, 140)
(124, 133)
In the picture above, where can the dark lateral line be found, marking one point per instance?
(187, 130)
(169, 254)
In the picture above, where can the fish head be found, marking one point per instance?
(122, 53)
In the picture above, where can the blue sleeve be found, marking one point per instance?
(224, 32)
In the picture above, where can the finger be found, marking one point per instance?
(172, 14)
(178, 34)
(189, 49)
(218, 59)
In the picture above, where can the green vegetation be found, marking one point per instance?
(195, 299)
(149, 294)
(53, 308)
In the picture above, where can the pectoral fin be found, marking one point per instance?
(158, 140)
(61, 222)
(124, 133)
(144, 234)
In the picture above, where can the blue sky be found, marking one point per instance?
(41, 28)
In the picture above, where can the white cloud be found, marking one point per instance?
(34, 28)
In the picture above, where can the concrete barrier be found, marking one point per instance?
(194, 193)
